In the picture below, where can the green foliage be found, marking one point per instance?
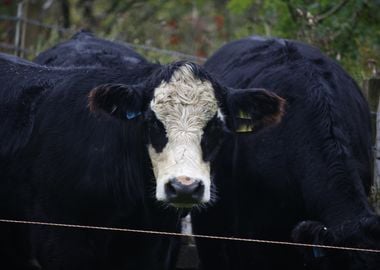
(345, 30)
(238, 6)
(6, 27)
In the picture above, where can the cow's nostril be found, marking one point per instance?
(184, 191)
(170, 190)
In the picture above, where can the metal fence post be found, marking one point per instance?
(373, 92)
(19, 24)
(23, 27)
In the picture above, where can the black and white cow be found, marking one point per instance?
(304, 180)
(100, 146)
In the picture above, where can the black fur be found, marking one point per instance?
(156, 132)
(212, 140)
(314, 165)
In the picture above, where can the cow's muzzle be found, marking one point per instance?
(184, 191)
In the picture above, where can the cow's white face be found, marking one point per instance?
(185, 127)
(184, 106)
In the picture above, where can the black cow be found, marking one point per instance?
(84, 49)
(90, 146)
(304, 180)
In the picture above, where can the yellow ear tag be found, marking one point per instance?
(244, 123)
(244, 115)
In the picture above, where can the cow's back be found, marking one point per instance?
(84, 49)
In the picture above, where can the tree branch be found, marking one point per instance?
(65, 8)
(292, 10)
(332, 11)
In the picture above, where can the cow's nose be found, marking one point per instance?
(184, 191)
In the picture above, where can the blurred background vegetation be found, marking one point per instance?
(347, 30)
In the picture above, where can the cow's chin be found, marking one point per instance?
(183, 205)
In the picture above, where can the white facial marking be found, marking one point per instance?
(184, 105)
(221, 115)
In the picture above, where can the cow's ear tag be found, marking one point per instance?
(132, 115)
(244, 123)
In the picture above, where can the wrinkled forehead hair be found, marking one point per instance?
(186, 96)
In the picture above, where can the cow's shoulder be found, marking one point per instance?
(25, 87)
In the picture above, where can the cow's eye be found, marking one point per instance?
(213, 137)
(157, 134)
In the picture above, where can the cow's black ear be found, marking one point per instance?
(120, 100)
(252, 109)
(313, 233)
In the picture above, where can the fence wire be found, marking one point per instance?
(163, 233)
(37, 23)
(11, 47)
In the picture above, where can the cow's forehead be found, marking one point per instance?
(184, 98)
